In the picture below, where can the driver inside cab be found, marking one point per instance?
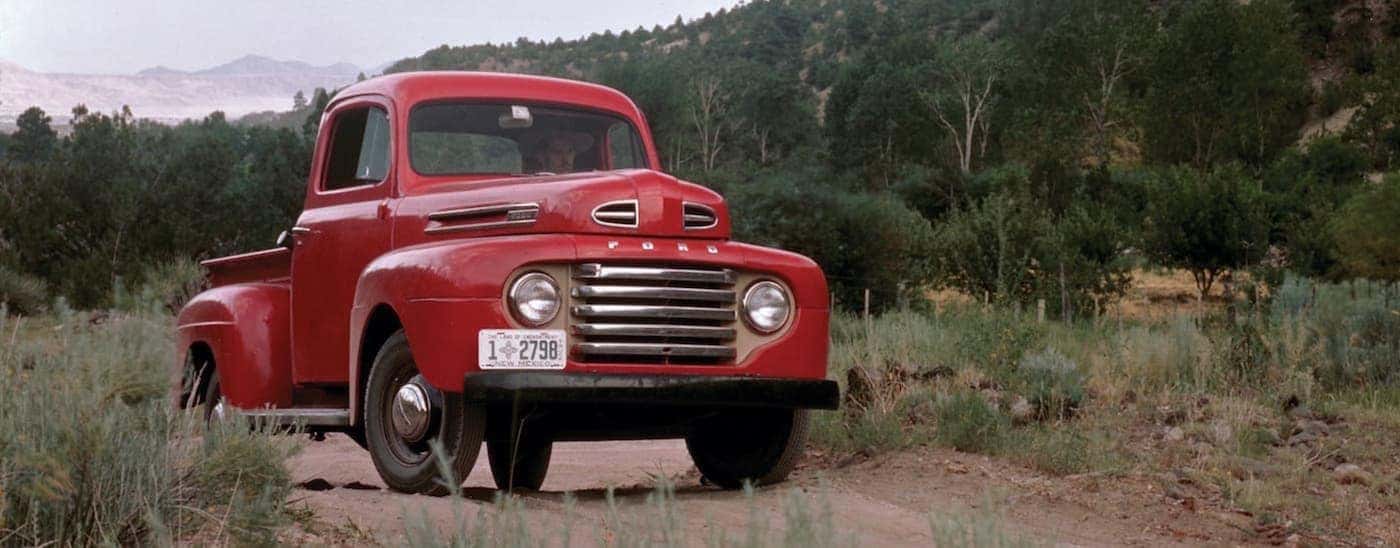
(554, 151)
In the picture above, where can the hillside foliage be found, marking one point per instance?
(1011, 149)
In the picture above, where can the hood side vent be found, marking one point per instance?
(482, 217)
(621, 214)
(699, 217)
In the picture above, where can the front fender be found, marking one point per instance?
(247, 328)
(444, 287)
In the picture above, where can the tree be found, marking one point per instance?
(299, 101)
(1227, 82)
(1209, 223)
(1373, 126)
(964, 79)
(989, 248)
(1085, 52)
(709, 110)
(1305, 189)
(34, 140)
(1367, 232)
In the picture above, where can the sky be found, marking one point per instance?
(125, 36)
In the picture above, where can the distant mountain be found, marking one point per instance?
(249, 84)
(256, 65)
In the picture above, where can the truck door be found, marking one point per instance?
(343, 227)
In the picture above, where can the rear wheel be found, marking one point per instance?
(405, 418)
(214, 407)
(519, 461)
(760, 445)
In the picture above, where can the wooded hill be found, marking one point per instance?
(1011, 149)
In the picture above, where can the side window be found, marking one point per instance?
(359, 149)
(624, 149)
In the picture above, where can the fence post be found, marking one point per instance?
(1040, 311)
(866, 311)
(1064, 296)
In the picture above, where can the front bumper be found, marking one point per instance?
(661, 390)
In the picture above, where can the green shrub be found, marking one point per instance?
(1052, 383)
(862, 241)
(966, 422)
(22, 294)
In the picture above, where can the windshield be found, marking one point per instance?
(461, 138)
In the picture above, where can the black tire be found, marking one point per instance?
(213, 396)
(759, 445)
(531, 462)
(411, 467)
(357, 435)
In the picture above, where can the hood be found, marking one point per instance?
(626, 203)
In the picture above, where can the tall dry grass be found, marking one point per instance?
(999, 381)
(92, 453)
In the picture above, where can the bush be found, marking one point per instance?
(862, 241)
(1367, 232)
(1010, 246)
(990, 247)
(966, 422)
(22, 294)
(1052, 383)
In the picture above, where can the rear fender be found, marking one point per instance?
(246, 328)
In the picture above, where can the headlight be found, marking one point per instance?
(766, 307)
(534, 299)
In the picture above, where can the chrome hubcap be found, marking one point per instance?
(412, 412)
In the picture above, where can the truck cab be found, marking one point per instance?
(498, 258)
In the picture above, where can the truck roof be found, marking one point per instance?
(409, 88)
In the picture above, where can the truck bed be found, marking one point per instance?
(269, 265)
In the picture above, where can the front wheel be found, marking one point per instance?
(404, 416)
(761, 446)
(520, 461)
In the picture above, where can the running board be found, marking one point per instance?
(301, 417)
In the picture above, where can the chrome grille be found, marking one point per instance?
(698, 216)
(653, 314)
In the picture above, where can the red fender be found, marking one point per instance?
(247, 327)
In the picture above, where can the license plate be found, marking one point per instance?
(520, 348)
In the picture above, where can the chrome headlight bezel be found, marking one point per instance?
(519, 302)
(752, 307)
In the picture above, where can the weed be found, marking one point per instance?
(968, 423)
(21, 293)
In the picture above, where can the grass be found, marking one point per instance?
(1098, 396)
(91, 451)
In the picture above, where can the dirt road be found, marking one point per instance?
(884, 501)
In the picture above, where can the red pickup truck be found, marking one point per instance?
(497, 258)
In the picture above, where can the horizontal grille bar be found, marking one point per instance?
(653, 312)
(653, 293)
(667, 350)
(595, 271)
(645, 330)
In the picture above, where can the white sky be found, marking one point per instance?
(124, 36)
